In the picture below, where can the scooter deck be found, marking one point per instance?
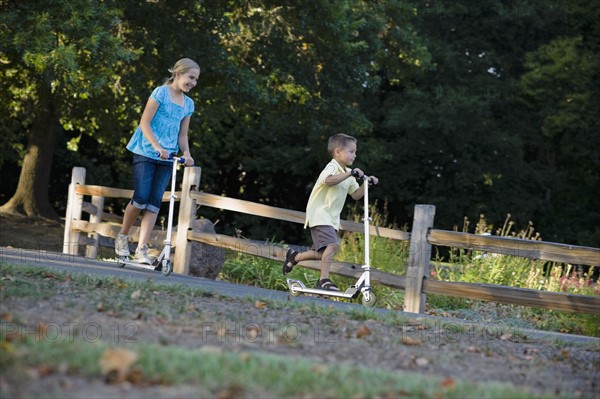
(123, 261)
(297, 287)
(339, 294)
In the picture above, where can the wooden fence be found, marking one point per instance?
(422, 237)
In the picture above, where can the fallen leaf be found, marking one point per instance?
(7, 317)
(411, 341)
(41, 329)
(135, 377)
(260, 304)
(421, 362)
(233, 391)
(136, 294)
(115, 364)
(44, 370)
(252, 333)
(192, 308)
(13, 336)
(506, 337)
(473, 349)
(448, 383)
(363, 331)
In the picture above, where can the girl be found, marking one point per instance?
(163, 130)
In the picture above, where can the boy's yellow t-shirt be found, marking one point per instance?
(325, 203)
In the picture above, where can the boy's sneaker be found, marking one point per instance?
(141, 255)
(122, 245)
(290, 261)
(326, 284)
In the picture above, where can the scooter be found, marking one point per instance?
(163, 261)
(363, 284)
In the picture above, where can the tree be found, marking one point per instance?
(450, 130)
(54, 63)
(559, 94)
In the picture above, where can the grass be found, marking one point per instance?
(457, 265)
(254, 374)
(209, 371)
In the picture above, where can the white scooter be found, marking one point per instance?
(362, 285)
(163, 261)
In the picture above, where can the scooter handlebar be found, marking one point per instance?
(172, 155)
(355, 174)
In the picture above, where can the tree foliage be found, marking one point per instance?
(475, 107)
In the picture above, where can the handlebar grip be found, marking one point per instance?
(171, 156)
(364, 177)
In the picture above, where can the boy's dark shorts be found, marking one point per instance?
(323, 236)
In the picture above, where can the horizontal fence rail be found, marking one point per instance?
(110, 192)
(277, 253)
(416, 284)
(515, 296)
(252, 208)
(531, 249)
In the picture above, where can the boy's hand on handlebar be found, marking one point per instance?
(373, 180)
(359, 174)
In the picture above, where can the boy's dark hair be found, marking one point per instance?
(339, 140)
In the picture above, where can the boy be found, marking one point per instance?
(325, 205)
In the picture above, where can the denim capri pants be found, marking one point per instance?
(150, 180)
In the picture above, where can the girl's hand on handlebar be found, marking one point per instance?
(162, 153)
(189, 161)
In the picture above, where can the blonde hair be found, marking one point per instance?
(339, 140)
(181, 66)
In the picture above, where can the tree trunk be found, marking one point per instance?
(31, 197)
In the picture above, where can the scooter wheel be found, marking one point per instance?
(167, 268)
(295, 289)
(370, 302)
(121, 261)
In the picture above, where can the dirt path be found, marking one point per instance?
(431, 347)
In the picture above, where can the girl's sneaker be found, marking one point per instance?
(141, 255)
(122, 245)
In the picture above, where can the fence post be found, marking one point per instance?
(418, 259)
(91, 250)
(74, 207)
(187, 214)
